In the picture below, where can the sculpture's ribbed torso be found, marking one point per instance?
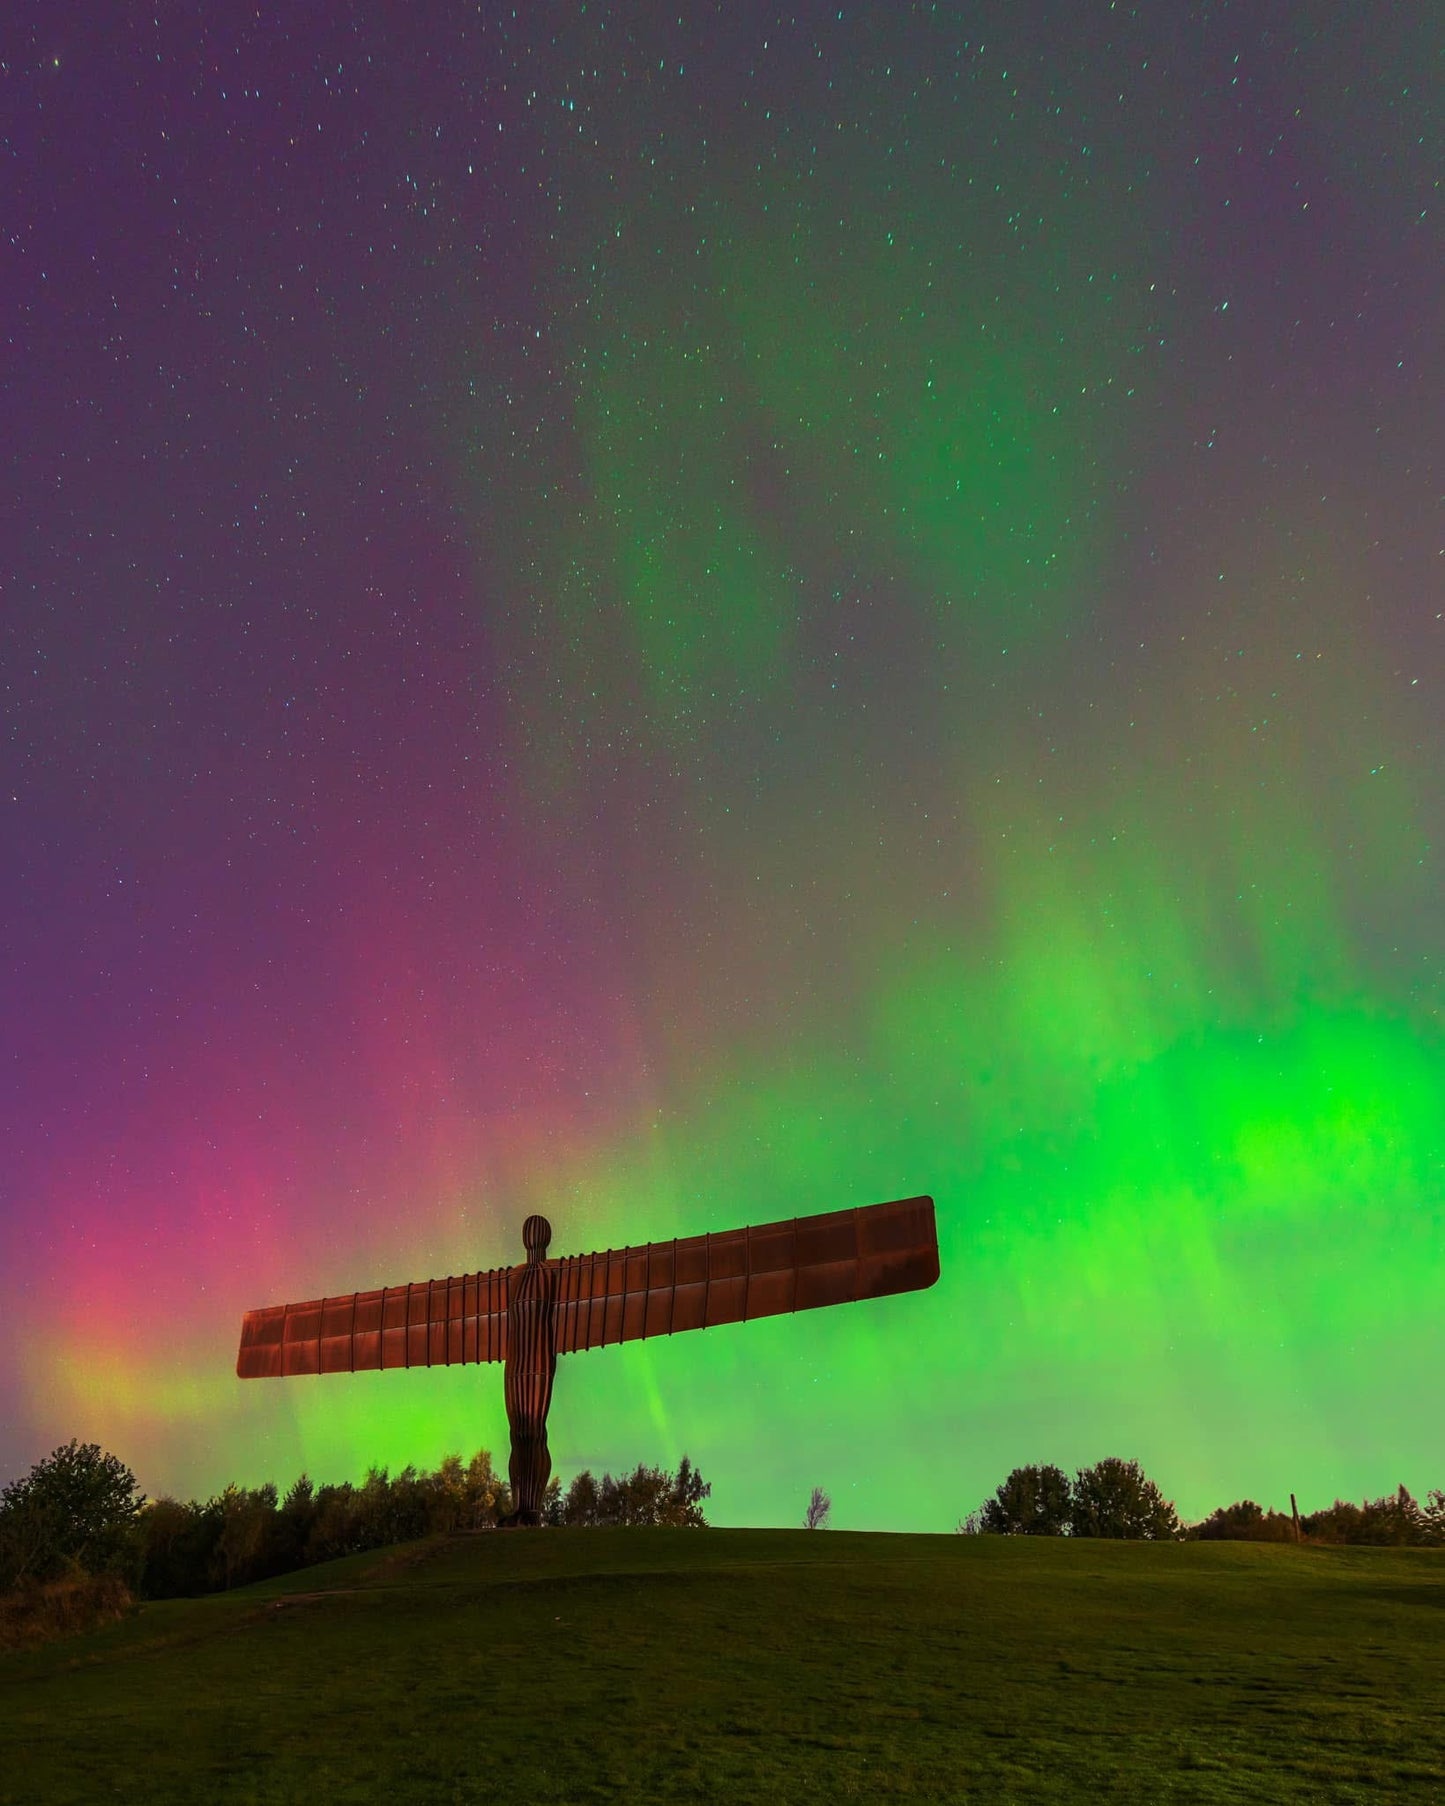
(530, 1367)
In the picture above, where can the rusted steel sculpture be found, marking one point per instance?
(525, 1316)
(531, 1364)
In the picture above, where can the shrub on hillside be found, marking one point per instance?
(39, 1612)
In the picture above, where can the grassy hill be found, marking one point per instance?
(735, 1666)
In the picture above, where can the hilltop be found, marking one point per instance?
(721, 1665)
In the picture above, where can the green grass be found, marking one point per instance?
(759, 1665)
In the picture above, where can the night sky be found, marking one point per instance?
(678, 621)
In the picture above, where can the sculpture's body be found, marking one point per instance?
(531, 1365)
(525, 1316)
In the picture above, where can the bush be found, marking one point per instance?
(41, 1612)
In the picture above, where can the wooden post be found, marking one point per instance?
(1294, 1512)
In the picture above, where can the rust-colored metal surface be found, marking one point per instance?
(622, 1295)
(433, 1323)
(531, 1364)
(699, 1281)
(527, 1315)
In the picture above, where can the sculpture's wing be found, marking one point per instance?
(701, 1280)
(430, 1324)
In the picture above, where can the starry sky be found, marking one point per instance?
(680, 616)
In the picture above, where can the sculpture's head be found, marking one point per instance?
(536, 1233)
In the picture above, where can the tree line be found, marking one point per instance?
(81, 1512)
(1116, 1498)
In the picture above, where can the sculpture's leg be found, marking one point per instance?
(530, 1470)
(528, 1397)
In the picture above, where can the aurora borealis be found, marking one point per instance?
(672, 621)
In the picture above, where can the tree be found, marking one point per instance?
(77, 1506)
(648, 1495)
(488, 1496)
(819, 1509)
(641, 1496)
(1033, 1501)
(1395, 1519)
(251, 1545)
(176, 1545)
(684, 1504)
(1116, 1498)
(579, 1505)
(331, 1531)
(27, 1544)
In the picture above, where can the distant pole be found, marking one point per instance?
(1294, 1512)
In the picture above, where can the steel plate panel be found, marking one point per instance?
(727, 1300)
(824, 1239)
(771, 1294)
(727, 1255)
(689, 1304)
(836, 1283)
(690, 1260)
(659, 1311)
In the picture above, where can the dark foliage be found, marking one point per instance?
(73, 1510)
(1396, 1520)
(1114, 1498)
(244, 1535)
(648, 1495)
(820, 1509)
(40, 1611)
(1244, 1522)
(1117, 1499)
(1033, 1501)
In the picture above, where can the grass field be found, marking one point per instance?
(643, 1665)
